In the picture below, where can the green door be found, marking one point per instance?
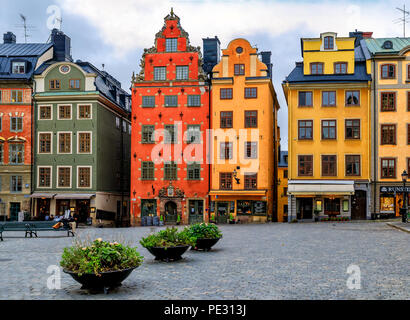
(14, 211)
(171, 212)
(222, 212)
(196, 211)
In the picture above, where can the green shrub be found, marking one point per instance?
(204, 231)
(100, 256)
(170, 237)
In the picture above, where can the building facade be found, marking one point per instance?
(328, 96)
(244, 122)
(390, 65)
(170, 117)
(82, 140)
(283, 187)
(17, 64)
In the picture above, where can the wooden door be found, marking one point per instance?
(359, 205)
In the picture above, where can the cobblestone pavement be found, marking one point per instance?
(270, 261)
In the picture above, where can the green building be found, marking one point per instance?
(82, 140)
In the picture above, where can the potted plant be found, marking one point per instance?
(178, 220)
(100, 264)
(161, 220)
(212, 218)
(168, 245)
(205, 235)
(231, 219)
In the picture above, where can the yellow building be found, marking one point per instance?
(283, 187)
(390, 64)
(244, 120)
(328, 97)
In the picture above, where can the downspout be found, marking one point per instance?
(33, 90)
(374, 140)
(208, 145)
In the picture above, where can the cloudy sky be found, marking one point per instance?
(115, 33)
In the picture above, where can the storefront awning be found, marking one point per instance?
(74, 196)
(313, 188)
(237, 192)
(43, 195)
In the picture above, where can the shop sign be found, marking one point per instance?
(394, 189)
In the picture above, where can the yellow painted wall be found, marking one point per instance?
(282, 196)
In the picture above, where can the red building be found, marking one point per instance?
(170, 116)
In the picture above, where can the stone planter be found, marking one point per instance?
(205, 244)
(104, 281)
(168, 254)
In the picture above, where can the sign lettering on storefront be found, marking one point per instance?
(393, 189)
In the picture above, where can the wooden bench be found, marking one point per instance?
(31, 227)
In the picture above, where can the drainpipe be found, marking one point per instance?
(33, 88)
(375, 140)
(210, 141)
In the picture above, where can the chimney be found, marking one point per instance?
(62, 46)
(266, 59)
(359, 35)
(9, 37)
(212, 53)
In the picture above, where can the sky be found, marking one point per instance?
(114, 33)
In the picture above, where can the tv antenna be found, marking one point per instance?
(404, 19)
(25, 27)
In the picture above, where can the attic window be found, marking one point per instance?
(19, 67)
(171, 45)
(388, 44)
(329, 43)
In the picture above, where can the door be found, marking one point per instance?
(359, 205)
(196, 211)
(14, 211)
(171, 212)
(83, 210)
(62, 206)
(332, 206)
(305, 209)
(43, 208)
(222, 212)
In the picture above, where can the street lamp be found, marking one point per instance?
(404, 177)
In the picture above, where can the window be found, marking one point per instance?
(1, 123)
(305, 98)
(388, 134)
(170, 171)
(328, 129)
(124, 126)
(148, 101)
(305, 167)
(19, 67)
(44, 142)
(171, 101)
(408, 165)
(44, 176)
(388, 168)
(1, 153)
(388, 101)
(16, 184)
(352, 165)
(160, 73)
(285, 174)
(84, 142)
(64, 142)
(74, 84)
(147, 170)
(16, 124)
(1, 96)
(16, 96)
(352, 127)
(226, 94)
(84, 112)
(194, 134)
(16, 153)
(226, 119)
(225, 181)
(148, 134)
(305, 129)
(251, 93)
(352, 98)
(388, 71)
(341, 67)
(329, 43)
(194, 171)
(45, 112)
(251, 119)
(329, 166)
(194, 100)
(408, 101)
(84, 177)
(328, 98)
(251, 150)
(170, 133)
(239, 69)
(55, 84)
(251, 182)
(225, 150)
(182, 72)
(64, 177)
(408, 136)
(316, 68)
(171, 44)
(117, 122)
(64, 112)
(408, 72)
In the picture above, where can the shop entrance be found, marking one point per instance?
(171, 212)
(359, 205)
(223, 211)
(196, 211)
(43, 208)
(332, 206)
(14, 211)
(83, 210)
(304, 208)
(62, 207)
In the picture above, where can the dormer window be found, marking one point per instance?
(329, 43)
(19, 67)
(388, 44)
(171, 45)
(316, 68)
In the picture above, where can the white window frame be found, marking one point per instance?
(58, 176)
(58, 110)
(51, 177)
(78, 142)
(58, 142)
(38, 142)
(45, 105)
(78, 111)
(91, 177)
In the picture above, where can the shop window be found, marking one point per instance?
(386, 204)
(345, 205)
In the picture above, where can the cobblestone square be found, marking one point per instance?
(269, 261)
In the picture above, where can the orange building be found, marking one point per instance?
(170, 116)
